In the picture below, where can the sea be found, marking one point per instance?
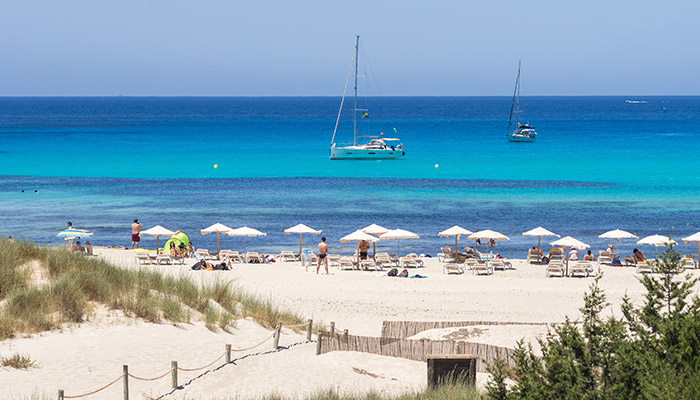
(599, 163)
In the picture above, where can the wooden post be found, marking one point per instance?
(276, 340)
(173, 374)
(318, 343)
(126, 382)
(309, 329)
(345, 335)
(60, 394)
(228, 353)
(332, 329)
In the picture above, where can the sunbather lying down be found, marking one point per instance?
(209, 266)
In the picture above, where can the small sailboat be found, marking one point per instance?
(522, 132)
(378, 147)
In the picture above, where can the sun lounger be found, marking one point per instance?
(645, 267)
(408, 262)
(346, 263)
(287, 256)
(485, 256)
(254, 257)
(687, 262)
(556, 267)
(163, 259)
(233, 256)
(583, 268)
(368, 265)
(533, 256)
(452, 269)
(449, 256)
(204, 254)
(469, 263)
(384, 259)
(499, 263)
(142, 259)
(604, 257)
(482, 269)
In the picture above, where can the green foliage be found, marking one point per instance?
(652, 352)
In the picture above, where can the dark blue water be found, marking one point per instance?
(598, 164)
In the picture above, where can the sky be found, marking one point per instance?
(304, 48)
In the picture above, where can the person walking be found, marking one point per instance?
(135, 238)
(322, 253)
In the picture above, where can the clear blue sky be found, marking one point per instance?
(290, 48)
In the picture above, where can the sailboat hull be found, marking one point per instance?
(356, 153)
(517, 138)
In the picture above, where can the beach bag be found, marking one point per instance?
(404, 273)
(393, 272)
(545, 260)
(197, 266)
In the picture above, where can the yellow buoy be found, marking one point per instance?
(216, 165)
(436, 165)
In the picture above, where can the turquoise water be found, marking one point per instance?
(599, 163)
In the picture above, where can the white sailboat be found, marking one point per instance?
(378, 147)
(522, 132)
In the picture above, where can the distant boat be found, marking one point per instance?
(522, 132)
(635, 101)
(378, 148)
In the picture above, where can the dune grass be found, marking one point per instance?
(77, 283)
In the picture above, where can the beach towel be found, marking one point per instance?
(418, 276)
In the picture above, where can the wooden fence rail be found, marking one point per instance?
(413, 349)
(405, 329)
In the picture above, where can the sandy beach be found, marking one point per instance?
(82, 358)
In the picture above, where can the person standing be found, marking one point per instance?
(364, 249)
(135, 238)
(322, 253)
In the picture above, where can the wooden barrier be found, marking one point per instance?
(417, 350)
(445, 367)
(405, 329)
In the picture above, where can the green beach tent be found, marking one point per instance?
(179, 239)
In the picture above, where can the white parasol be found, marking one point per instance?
(455, 231)
(398, 234)
(246, 233)
(569, 243)
(375, 230)
(358, 236)
(539, 232)
(694, 238)
(301, 229)
(157, 231)
(218, 228)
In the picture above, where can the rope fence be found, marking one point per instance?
(276, 334)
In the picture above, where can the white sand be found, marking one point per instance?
(84, 358)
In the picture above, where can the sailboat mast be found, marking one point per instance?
(354, 114)
(512, 104)
(517, 102)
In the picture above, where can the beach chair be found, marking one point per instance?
(645, 267)
(287, 256)
(688, 262)
(384, 259)
(604, 257)
(452, 269)
(408, 262)
(485, 256)
(497, 263)
(556, 267)
(469, 263)
(345, 263)
(204, 254)
(254, 257)
(142, 259)
(447, 255)
(533, 256)
(163, 259)
(583, 268)
(482, 269)
(370, 265)
(233, 256)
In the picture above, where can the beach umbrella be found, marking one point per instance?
(216, 228)
(569, 243)
(455, 231)
(246, 233)
(694, 238)
(157, 231)
(618, 234)
(375, 230)
(301, 229)
(539, 232)
(358, 236)
(398, 234)
(657, 241)
(488, 234)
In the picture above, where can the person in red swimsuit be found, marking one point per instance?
(135, 238)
